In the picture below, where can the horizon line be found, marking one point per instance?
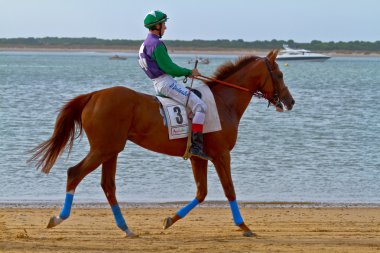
(242, 40)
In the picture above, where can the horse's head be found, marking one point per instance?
(274, 88)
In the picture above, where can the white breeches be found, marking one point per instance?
(169, 87)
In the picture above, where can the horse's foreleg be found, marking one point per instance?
(109, 188)
(223, 168)
(200, 176)
(74, 177)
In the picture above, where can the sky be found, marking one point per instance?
(250, 20)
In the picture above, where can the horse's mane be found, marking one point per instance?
(230, 67)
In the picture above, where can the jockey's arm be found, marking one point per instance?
(165, 63)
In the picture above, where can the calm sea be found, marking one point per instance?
(327, 149)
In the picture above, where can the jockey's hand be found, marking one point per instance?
(195, 72)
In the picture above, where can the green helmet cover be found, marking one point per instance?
(153, 18)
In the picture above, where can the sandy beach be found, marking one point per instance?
(206, 229)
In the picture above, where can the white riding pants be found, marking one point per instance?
(169, 87)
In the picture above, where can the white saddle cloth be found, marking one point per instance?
(176, 117)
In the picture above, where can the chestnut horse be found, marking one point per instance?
(112, 116)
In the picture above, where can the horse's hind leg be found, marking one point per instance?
(74, 177)
(109, 187)
(200, 176)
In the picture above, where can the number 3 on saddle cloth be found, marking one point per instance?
(176, 116)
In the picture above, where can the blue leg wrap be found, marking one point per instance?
(236, 213)
(120, 222)
(65, 212)
(186, 209)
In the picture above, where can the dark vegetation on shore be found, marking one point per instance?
(79, 43)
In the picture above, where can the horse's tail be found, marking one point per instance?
(68, 122)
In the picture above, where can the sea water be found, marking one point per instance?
(327, 149)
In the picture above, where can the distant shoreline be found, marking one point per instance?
(237, 52)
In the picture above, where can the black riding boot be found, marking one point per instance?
(196, 148)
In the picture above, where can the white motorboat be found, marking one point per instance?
(299, 54)
(201, 60)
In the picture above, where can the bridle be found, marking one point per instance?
(277, 91)
(259, 94)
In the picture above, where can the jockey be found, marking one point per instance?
(156, 63)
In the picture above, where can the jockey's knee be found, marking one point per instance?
(196, 104)
(200, 107)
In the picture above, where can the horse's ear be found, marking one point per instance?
(269, 55)
(273, 55)
(275, 52)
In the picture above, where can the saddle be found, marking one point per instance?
(176, 116)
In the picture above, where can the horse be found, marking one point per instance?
(112, 116)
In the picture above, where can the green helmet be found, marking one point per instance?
(153, 18)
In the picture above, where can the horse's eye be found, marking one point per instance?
(280, 75)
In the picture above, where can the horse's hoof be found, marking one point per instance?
(130, 234)
(167, 223)
(54, 221)
(249, 234)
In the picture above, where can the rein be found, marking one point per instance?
(207, 78)
(257, 94)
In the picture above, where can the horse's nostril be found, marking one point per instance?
(293, 102)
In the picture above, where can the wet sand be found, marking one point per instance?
(205, 229)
